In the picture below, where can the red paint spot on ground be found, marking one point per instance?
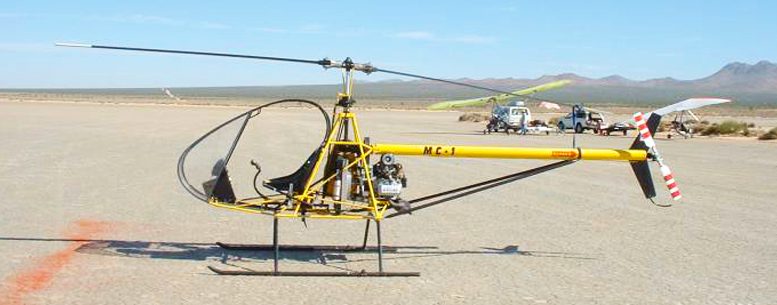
(41, 274)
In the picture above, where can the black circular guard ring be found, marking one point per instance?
(246, 115)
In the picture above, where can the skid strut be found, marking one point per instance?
(366, 234)
(276, 247)
(380, 248)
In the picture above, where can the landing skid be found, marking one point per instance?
(313, 273)
(304, 248)
(276, 248)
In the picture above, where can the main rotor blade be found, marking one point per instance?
(326, 63)
(322, 62)
(443, 81)
(523, 96)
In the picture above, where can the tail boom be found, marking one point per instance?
(511, 152)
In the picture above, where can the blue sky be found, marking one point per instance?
(475, 39)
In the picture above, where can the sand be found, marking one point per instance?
(92, 213)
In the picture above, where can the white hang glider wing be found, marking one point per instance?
(690, 104)
(685, 105)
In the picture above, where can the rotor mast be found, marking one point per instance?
(345, 96)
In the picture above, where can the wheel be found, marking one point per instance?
(579, 128)
(624, 132)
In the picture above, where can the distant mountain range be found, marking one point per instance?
(735, 76)
(747, 84)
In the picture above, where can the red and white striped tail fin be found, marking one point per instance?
(644, 132)
(671, 184)
(646, 137)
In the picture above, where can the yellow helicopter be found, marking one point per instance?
(339, 180)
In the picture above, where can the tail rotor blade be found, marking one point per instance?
(671, 184)
(647, 138)
(644, 131)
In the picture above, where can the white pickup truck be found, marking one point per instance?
(586, 118)
(583, 119)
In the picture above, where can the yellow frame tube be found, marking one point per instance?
(510, 152)
(375, 208)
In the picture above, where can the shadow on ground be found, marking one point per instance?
(208, 251)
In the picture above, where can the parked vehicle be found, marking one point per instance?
(582, 119)
(509, 117)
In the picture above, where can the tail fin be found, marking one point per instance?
(641, 168)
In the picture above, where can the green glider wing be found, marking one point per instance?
(498, 99)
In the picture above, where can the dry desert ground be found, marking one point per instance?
(92, 213)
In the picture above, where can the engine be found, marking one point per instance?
(388, 177)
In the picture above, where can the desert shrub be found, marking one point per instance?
(771, 135)
(664, 126)
(729, 127)
(701, 126)
(768, 136)
(710, 130)
(474, 117)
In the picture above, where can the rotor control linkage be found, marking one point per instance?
(348, 64)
